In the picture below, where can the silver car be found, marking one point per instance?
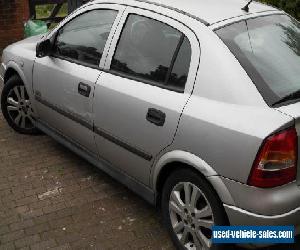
(194, 105)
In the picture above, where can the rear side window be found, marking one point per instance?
(83, 39)
(153, 52)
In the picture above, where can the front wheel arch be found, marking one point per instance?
(16, 106)
(10, 72)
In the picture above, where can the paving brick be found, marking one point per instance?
(62, 237)
(10, 219)
(7, 246)
(61, 247)
(44, 245)
(27, 200)
(54, 207)
(22, 209)
(32, 213)
(45, 218)
(37, 229)
(21, 225)
(62, 222)
(27, 241)
(11, 236)
(4, 229)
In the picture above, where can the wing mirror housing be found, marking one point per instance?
(44, 48)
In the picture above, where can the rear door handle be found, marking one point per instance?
(84, 89)
(156, 117)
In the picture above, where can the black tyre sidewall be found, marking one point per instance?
(11, 83)
(178, 176)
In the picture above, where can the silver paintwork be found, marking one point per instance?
(264, 201)
(293, 111)
(216, 126)
(122, 99)
(238, 216)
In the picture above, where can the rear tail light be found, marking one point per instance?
(276, 162)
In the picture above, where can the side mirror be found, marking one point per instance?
(44, 48)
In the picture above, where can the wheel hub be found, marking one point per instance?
(190, 219)
(24, 109)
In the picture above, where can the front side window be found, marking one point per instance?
(83, 39)
(152, 51)
(269, 50)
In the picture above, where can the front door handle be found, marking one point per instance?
(156, 117)
(84, 89)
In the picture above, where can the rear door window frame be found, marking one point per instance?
(176, 24)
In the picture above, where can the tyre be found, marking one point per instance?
(190, 208)
(16, 107)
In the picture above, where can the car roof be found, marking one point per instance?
(209, 11)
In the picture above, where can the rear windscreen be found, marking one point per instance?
(269, 50)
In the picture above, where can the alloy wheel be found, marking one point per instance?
(19, 108)
(191, 216)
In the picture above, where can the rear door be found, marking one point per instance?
(148, 78)
(64, 82)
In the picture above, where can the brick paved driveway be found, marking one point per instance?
(50, 198)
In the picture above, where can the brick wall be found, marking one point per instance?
(13, 13)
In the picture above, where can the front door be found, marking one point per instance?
(139, 99)
(64, 82)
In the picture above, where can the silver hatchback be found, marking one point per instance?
(194, 105)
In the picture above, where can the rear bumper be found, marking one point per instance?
(238, 216)
(253, 206)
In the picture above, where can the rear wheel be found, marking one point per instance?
(16, 107)
(190, 208)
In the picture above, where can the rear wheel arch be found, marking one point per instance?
(170, 168)
(176, 160)
(163, 175)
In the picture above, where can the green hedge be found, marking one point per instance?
(290, 6)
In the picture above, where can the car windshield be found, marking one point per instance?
(269, 50)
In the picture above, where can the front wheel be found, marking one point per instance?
(190, 208)
(16, 107)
